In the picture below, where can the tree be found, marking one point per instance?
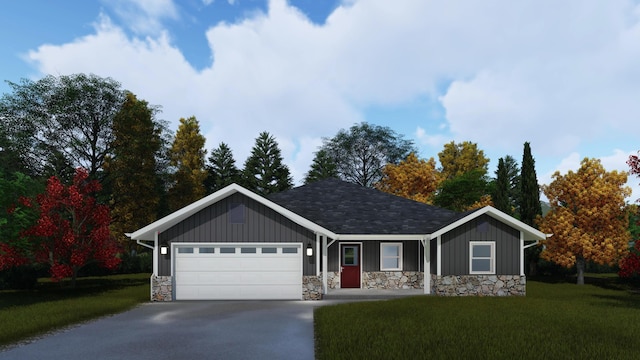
(501, 194)
(222, 170)
(630, 265)
(462, 158)
(264, 171)
(413, 178)
(69, 116)
(362, 152)
(187, 156)
(132, 169)
(587, 217)
(72, 229)
(465, 192)
(322, 167)
(529, 204)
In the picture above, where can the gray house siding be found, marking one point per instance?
(455, 246)
(215, 224)
(371, 255)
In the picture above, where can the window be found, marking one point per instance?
(236, 213)
(185, 250)
(269, 250)
(207, 250)
(248, 250)
(289, 250)
(390, 256)
(227, 250)
(482, 257)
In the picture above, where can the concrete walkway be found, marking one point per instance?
(186, 330)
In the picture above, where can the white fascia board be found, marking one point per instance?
(372, 237)
(529, 232)
(147, 232)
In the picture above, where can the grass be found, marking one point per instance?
(51, 306)
(556, 320)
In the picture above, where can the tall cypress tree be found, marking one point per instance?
(222, 170)
(529, 204)
(264, 171)
(529, 189)
(187, 155)
(501, 194)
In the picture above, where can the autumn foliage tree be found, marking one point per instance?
(413, 178)
(630, 265)
(458, 159)
(72, 230)
(587, 219)
(188, 157)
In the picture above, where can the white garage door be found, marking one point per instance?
(238, 271)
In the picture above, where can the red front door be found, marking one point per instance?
(350, 266)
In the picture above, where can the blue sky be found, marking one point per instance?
(562, 75)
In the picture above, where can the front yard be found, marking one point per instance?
(554, 321)
(24, 314)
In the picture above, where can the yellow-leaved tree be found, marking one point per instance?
(187, 155)
(587, 219)
(413, 178)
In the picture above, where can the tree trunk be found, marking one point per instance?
(580, 265)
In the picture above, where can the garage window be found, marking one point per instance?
(248, 250)
(289, 250)
(227, 250)
(185, 250)
(269, 250)
(207, 250)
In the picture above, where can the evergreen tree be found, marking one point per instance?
(463, 192)
(323, 167)
(264, 172)
(187, 156)
(513, 174)
(529, 204)
(132, 169)
(222, 170)
(501, 194)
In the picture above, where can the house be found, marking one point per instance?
(235, 244)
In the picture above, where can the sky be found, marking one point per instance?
(561, 75)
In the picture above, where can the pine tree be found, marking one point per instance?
(187, 155)
(501, 194)
(264, 172)
(132, 168)
(323, 167)
(222, 170)
(529, 203)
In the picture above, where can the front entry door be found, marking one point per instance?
(350, 266)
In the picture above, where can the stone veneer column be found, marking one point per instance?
(161, 288)
(312, 287)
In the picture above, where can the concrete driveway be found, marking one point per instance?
(186, 330)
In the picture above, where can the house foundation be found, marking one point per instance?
(478, 285)
(161, 288)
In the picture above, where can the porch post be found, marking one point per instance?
(155, 253)
(439, 256)
(427, 266)
(521, 253)
(325, 265)
(317, 252)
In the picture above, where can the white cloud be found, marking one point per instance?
(505, 72)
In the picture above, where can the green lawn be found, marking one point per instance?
(51, 306)
(554, 321)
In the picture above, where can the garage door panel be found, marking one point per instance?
(258, 275)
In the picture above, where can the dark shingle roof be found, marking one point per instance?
(347, 208)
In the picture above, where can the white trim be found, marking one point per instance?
(155, 254)
(521, 254)
(316, 257)
(325, 264)
(361, 263)
(379, 237)
(529, 233)
(146, 233)
(400, 255)
(492, 266)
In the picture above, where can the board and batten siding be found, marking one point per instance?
(371, 255)
(212, 224)
(455, 246)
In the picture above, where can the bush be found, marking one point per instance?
(136, 263)
(23, 277)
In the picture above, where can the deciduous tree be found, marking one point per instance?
(264, 171)
(222, 169)
(69, 116)
(413, 178)
(462, 158)
(322, 167)
(72, 229)
(187, 156)
(587, 217)
(362, 152)
(465, 192)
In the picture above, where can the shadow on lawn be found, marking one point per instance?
(52, 291)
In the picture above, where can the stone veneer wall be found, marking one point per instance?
(161, 288)
(478, 285)
(392, 280)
